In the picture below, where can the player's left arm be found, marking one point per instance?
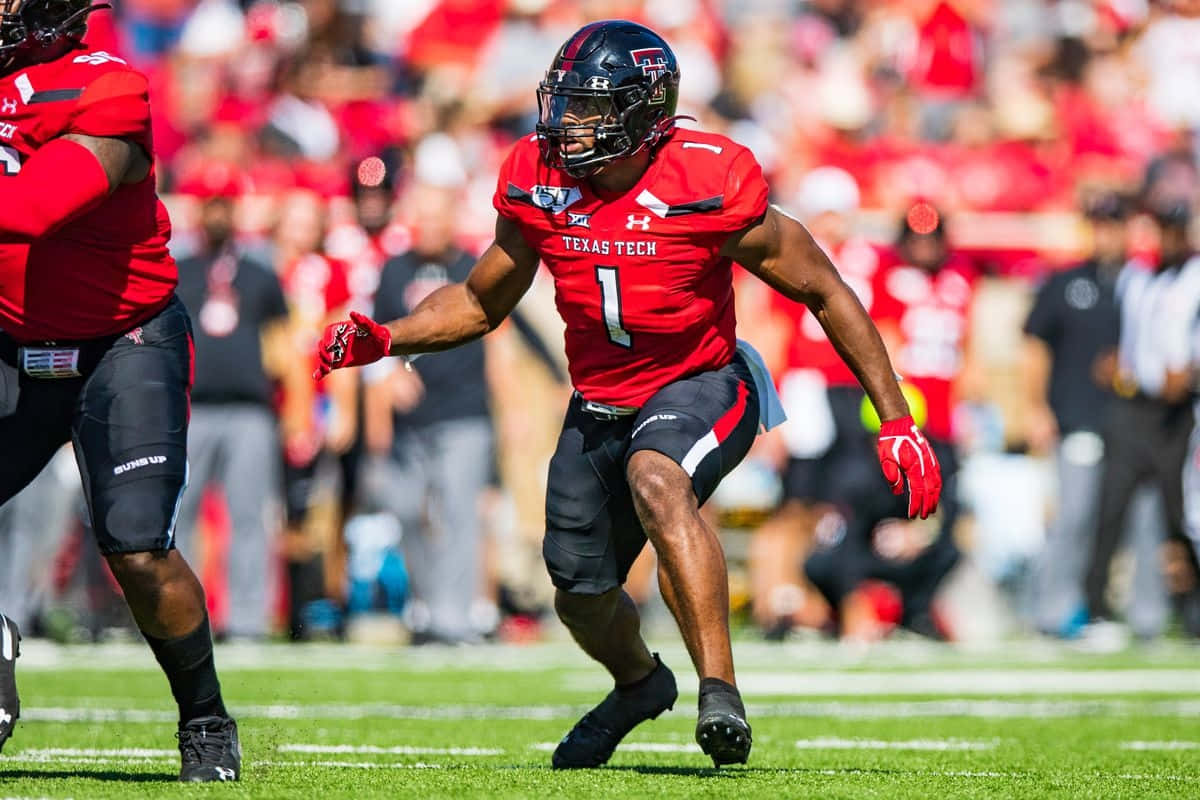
(780, 251)
(104, 141)
(66, 177)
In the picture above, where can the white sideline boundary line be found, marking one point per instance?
(398, 750)
(941, 745)
(982, 708)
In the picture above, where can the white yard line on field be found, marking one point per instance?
(976, 708)
(942, 682)
(351, 764)
(807, 654)
(981, 708)
(834, 743)
(634, 747)
(1167, 745)
(398, 750)
(89, 752)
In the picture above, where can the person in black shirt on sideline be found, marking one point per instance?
(1074, 322)
(1147, 436)
(433, 428)
(233, 441)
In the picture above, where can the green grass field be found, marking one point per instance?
(906, 719)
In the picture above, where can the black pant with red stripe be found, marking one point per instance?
(705, 423)
(126, 411)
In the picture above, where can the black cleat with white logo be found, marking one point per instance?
(721, 730)
(10, 704)
(210, 750)
(594, 738)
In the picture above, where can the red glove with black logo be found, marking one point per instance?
(904, 452)
(352, 343)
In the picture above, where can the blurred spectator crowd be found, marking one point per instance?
(952, 156)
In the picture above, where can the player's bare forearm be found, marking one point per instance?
(447, 318)
(121, 160)
(857, 341)
(780, 251)
(461, 312)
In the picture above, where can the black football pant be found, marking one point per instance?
(1145, 442)
(123, 402)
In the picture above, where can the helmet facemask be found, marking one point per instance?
(594, 118)
(32, 25)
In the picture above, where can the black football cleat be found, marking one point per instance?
(10, 704)
(721, 730)
(594, 738)
(210, 750)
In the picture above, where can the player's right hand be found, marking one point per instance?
(352, 343)
(904, 453)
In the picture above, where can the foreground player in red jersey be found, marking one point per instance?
(639, 224)
(94, 346)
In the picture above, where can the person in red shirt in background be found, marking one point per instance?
(816, 386)
(922, 299)
(317, 418)
(363, 243)
(374, 235)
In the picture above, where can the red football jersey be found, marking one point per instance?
(933, 315)
(108, 269)
(639, 277)
(808, 347)
(365, 255)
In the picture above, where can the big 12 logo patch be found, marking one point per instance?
(653, 62)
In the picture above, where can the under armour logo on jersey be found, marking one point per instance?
(641, 223)
(99, 57)
(8, 105)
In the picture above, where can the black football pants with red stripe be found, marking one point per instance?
(705, 423)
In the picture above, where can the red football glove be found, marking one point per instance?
(904, 452)
(352, 343)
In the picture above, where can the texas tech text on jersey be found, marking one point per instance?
(642, 311)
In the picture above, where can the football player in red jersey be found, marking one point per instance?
(94, 346)
(639, 224)
(923, 294)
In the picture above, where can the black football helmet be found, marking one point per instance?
(30, 26)
(612, 88)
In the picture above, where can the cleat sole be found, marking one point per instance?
(722, 743)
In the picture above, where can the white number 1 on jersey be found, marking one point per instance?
(10, 160)
(610, 301)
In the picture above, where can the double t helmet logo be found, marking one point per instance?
(653, 62)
